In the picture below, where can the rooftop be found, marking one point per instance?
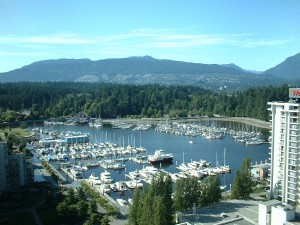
(271, 202)
(242, 212)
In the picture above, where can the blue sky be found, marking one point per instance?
(254, 34)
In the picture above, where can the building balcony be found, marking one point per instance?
(292, 197)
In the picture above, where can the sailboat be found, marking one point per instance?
(223, 187)
(141, 149)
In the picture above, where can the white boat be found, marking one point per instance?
(104, 188)
(134, 175)
(196, 173)
(106, 177)
(191, 142)
(183, 167)
(122, 202)
(160, 157)
(94, 179)
(223, 187)
(92, 164)
(120, 186)
(118, 166)
(148, 173)
(132, 184)
(77, 174)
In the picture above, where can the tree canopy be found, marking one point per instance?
(243, 182)
(24, 100)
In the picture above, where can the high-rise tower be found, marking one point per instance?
(285, 149)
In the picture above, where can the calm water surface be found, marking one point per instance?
(211, 150)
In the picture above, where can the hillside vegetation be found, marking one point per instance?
(141, 71)
(26, 101)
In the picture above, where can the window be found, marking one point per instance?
(293, 144)
(291, 191)
(293, 132)
(291, 185)
(292, 162)
(292, 173)
(292, 179)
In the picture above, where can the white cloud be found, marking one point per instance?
(139, 39)
(16, 53)
(65, 39)
(257, 43)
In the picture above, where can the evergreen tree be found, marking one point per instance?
(236, 191)
(210, 191)
(135, 209)
(243, 182)
(153, 204)
(159, 212)
(147, 208)
(247, 178)
(180, 203)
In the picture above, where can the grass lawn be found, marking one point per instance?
(24, 218)
(19, 132)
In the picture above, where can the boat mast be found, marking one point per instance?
(224, 156)
(140, 139)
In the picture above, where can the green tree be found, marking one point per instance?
(210, 191)
(146, 203)
(147, 208)
(105, 221)
(159, 212)
(81, 208)
(247, 178)
(180, 192)
(71, 198)
(134, 210)
(243, 182)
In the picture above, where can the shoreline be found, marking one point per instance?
(245, 120)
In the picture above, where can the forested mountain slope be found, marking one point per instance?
(26, 100)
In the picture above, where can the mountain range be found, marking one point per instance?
(148, 70)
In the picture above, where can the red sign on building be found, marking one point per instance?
(294, 92)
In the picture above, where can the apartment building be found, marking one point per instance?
(16, 170)
(285, 151)
(284, 156)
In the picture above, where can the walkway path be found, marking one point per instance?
(246, 120)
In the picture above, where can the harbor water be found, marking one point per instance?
(184, 149)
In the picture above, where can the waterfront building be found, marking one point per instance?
(83, 138)
(260, 171)
(285, 154)
(16, 170)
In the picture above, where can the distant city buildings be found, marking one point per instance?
(16, 170)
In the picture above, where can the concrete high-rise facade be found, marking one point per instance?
(3, 166)
(285, 163)
(16, 170)
(285, 150)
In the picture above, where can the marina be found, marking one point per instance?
(117, 161)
